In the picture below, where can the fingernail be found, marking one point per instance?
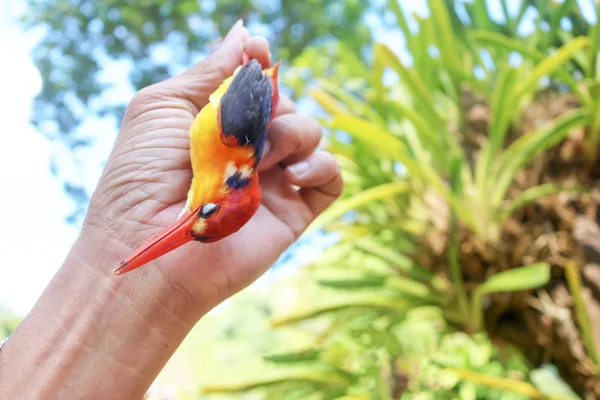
(299, 169)
(239, 24)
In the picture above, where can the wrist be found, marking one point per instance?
(150, 289)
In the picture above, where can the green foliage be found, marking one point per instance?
(361, 354)
(398, 126)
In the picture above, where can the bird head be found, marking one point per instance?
(227, 139)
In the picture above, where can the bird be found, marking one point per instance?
(227, 139)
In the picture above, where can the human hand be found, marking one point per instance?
(147, 176)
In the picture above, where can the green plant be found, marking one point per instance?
(464, 174)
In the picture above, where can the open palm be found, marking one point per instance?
(147, 177)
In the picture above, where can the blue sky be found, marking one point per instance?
(32, 199)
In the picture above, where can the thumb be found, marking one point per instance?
(198, 82)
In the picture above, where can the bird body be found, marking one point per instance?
(227, 139)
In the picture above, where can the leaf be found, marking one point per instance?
(549, 66)
(351, 103)
(356, 283)
(502, 113)
(506, 43)
(308, 354)
(394, 6)
(370, 134)
(318, 374)
(447, 44)
(369, 300)
(526, 147)
(531, 195)
(482, 16)
(341, 207)
(427, 134)
(549, 382)
(400, 261)
(327, 102)
(516, 279)
(411, 288)
(574, 282)
(521, 278)
(388, 144)
(421, 93)
(510, 385)
(509, 20)
(595, 40)
(502, 42)
(557, 15)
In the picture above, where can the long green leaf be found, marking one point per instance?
(341, 207)
(327, 102)
(412, 288)
(522, 278)
(521, 12)
(503, 112)
(402, 262)
(503, 42)
(371, 134)
(385, 56)
(509, 44)
(301, 355)
(313, 374)
(557, 15)
(524, 149)
(574, 282)
(532, 194)
(510, 385)
(388, 144)
(549, 66)
(549, 382)
(371, 300)
(482, 15)
(447, 43)
(394, 6)
(352, 103)
(595, 40)
(428, 135)
(507, 17)
(366, 281)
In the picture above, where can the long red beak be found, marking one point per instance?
(171, 238)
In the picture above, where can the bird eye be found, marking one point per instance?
(207, 210)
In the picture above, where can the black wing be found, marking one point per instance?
(246, 107)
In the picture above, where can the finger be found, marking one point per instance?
(292, 137)
(196, 84)
(318, 169)
(284, 201)
(285, 106)
(258, 47)
(320, 197)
